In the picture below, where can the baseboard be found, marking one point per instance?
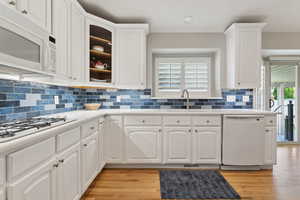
(161, 166)
(241, 168)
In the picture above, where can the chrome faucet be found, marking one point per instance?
(187, 97)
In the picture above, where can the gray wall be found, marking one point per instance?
(281, 41)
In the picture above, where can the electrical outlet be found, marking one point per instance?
(56, 99)
(246, 98)
(231, 98)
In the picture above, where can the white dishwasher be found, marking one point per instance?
(243, 140)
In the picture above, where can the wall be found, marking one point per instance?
(281, 41)
(20, 100)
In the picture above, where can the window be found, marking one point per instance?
(175, 74)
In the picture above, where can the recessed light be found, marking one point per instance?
(188, 19)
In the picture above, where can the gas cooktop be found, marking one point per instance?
(20, 128)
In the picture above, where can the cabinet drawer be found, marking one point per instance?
(68, 138)
(270, 120)
(177, 120)
(142, 120)
(89, 128)
(206, 120)
(115, 119)
(2, 171)
(29, 157)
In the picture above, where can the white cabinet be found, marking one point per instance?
(39, 11)
(207, 145)
(114, 137)
(244, 55)
(131, 56)
(68, 174)
(270, 146)
(11, 3)
(89, 160)
(2, 194)
(178, 145)
(101, 132)
(36, 185)
(143, 144)
(61, 11)
(77, 42)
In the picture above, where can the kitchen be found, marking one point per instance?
(101, 102)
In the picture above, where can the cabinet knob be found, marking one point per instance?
(267, 130)
(56, 165)
(143, 121)
(271, 121)
(92, 128)
(74, 78)
(85, 145)
(207, 121)
(190, 130)
(24, 12)
(196, 131)
(178, 121)
(61, 161)
(159, 130)
(13, 3)
(239, 83)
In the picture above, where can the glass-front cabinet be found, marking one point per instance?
(100, 52)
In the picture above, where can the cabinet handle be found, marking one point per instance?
(24, 12)
(196, 131)
(190, 130)
(267, 131)
(271, 121)
(92, 128)
(239, 83)
(207, 121)
(159, 130)
(85, 145)
(143, 121)
(13, 3)
(56, 165)
(178, 121)
(61, 161)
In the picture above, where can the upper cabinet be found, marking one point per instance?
(244, 55)
(100, 51)
(38, 11)
(131, 55)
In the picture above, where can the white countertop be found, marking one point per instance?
(83, 116)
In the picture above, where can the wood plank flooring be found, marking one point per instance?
(281, 183)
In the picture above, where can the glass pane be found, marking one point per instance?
(169, 77)
(17, 46)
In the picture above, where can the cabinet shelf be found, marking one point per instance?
(100, 70)
(100, 53)
(98, 39)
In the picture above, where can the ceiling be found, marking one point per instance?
(207, 15)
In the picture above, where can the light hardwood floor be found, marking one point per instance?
(283, 183)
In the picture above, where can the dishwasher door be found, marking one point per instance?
(243, 140)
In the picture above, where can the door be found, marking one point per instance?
(61, 32)
(143, 144)
(178, 145)
(89, 160)
(207, 145)
(77, 34)
(36, 185)
(270, 146)
(131, 58)
(69, 174)
(39, 11)
(114, 137)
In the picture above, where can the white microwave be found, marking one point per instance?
(23, 45)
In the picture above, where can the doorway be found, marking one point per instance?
(280, 88)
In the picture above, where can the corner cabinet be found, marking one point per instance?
(131, 55)
(244, 43)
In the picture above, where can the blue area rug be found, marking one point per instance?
(195, 184)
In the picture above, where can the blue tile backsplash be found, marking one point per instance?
(20, 99)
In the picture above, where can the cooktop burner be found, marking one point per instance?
(19, 128)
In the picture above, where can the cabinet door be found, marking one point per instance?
(249, 52)
(207, 145)
(270, 146)
(143, 144)
(77, 34)
(177, 145)
(131, 58)
(89, 160)
(61, 32)
(101, 145)
(39, 11)
(36, 185)
(2, 194)
(114, 137)
(69, 174)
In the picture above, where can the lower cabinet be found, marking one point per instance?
(143, 144)
(89, 160)
(177, 145)
(270, 146)
(2, 194)
(36, 185)
(207, 145)
(114, 137)
(68, 174)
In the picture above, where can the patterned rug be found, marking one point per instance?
(195, 184)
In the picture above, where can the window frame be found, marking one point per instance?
(209, 58)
